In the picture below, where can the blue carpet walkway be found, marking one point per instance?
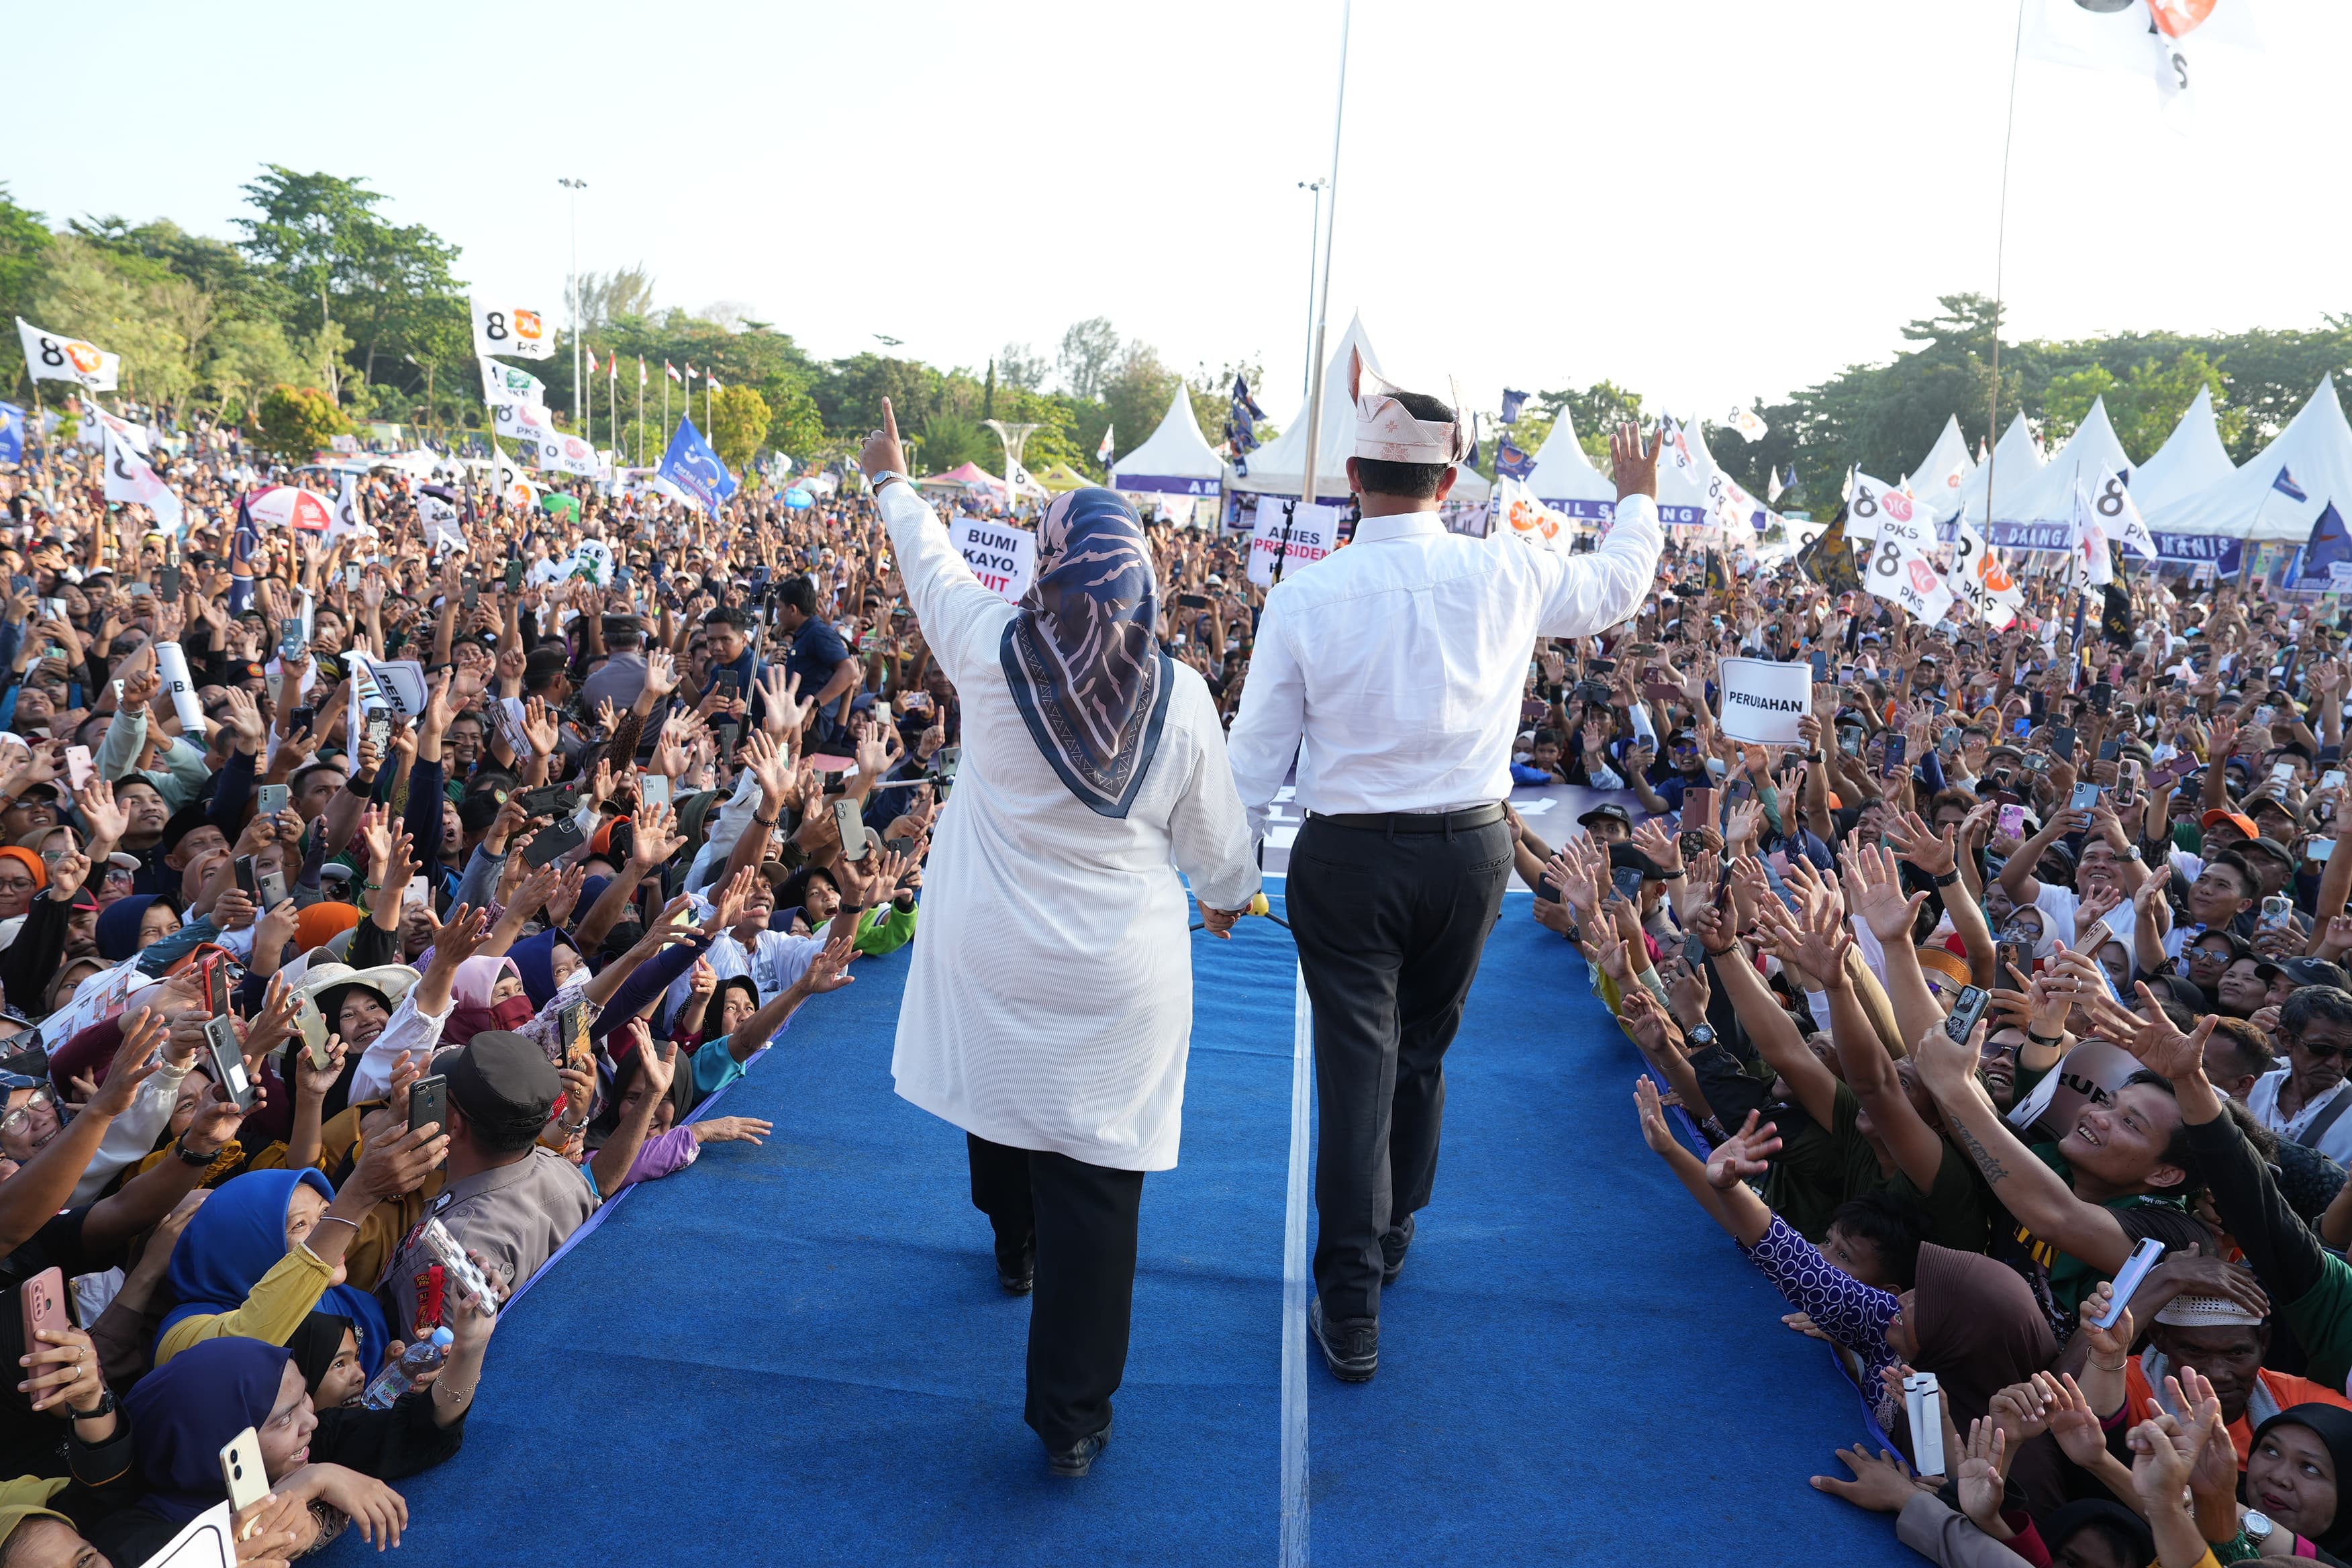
(799, 1353)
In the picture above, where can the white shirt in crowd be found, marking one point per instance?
(2263, 1101)
(1400, 660)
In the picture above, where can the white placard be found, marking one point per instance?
(1313, 531)
(204, 1541)
(1004, 558)
(1762, 700)
(1899, 569)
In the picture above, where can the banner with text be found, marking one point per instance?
(1004, 558)
(1295, 534)
(1762, 700)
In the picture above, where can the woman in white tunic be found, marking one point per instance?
(1049, 1004)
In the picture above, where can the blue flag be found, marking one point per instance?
(695, 468)
(1472, 460)
(12, 433)
(2329, 545)
(1242, 399)
(1512, 403)
(2284, 484)
(1510, 461)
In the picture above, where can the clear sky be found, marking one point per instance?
(1701, 199)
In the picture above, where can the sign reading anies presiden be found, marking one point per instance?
(1762, 700)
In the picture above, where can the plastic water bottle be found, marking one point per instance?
(398, 1377)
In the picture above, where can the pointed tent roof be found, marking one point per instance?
(1937, 479)
(2015, 460)
(1175, 458)
(1675, 488)
(966, 473)
(1278, 468)
(2191, 459)
(1470, 487)
(2315, 447)
(1060, 477)
(2089, 456)
(1563, 473)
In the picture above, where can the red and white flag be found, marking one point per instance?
(673, 371)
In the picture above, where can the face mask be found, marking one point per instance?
(512, 1012)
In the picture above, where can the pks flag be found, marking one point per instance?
(2090, 539)
(1512, 403)
(504, 329)
(2153, 40)
(2284, 484)
(1772, 488)
(129, 479)
(695, 469)
(524, 422)
(12, 433)
(2328, 557)
(131, 435)
(2120, 519)
(1745, 420)
(672, 370)
(1677, 450)
(53, 356)
(1102, 453)
(505, 385)
(1982, 583)
(1511, 462)
(512, 488)
(567, 454)
(1522, 516)
(1900, 571)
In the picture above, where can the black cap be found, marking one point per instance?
(1611, 811)
(2306, 972)
(505, 1085)
(182, 822)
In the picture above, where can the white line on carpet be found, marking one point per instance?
(1296, 1283)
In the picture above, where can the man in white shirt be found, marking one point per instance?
(2307, 1100)
(1398, 663)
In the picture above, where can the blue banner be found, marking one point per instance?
(12, 433)
(1509, 460)
(1594, 511)
(695, 468)
(1512, 403)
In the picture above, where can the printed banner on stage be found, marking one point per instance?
(1004, 558)
(1762, 700)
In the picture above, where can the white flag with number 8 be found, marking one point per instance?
(1899, 567)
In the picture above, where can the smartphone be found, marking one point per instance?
(473, 595)
(291, 642)
(2011, 822)
(228, 1061)
(2278, 913)
(351, 576)
(549, 800)
(2062, 741)
(42, 1300)
(2169, 772)
(241, 1471)
(244, 882)
(571, 1031)
(2281, 772)
(1663, 691)
(2111, 751)
(1950, 739)
(2319, 849)
(1821, 667)
(269, 888)
(2265, 714)
(548, 843)
(1627, 880)
(1193, 601)
(855, 843)
(1966, 1010)
(730, 687)
(2086, 795)
(1695, 950)
(1898, 756)
(379, 730)
(727, 735)
(217, 987)
(1850, 739)
(78, 767)
(514, 575)
(273, 798)
(2016, 953)
(1923, 1402)
(302, 719)
(2332, 779)
(428, 1101)
(53, 609)
(167, 582)
(1601, 666)
(2145, 1257)
(653, 789)
(2103, 697)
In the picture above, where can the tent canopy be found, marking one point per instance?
(2315, 450)
(1060, 479)
(1564, 478)
(2015, 460)
(1941, 474)
(1175, 459)
(2191, 459)
(965, 474)
(2090, 455)
(1470, 487)
(1279, 466)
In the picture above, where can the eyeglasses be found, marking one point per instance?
(20, 1118)
(2316, 1053)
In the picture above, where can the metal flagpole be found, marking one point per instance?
(1314, 242)
(575, 188)
(641, 410)
(1323, 303)
(2000, 258)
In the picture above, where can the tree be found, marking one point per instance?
(1089, 350)
(739, 425)
(1019, 365)
(1137, 395)
(296, 421)
(795, 427)
(91, 294)
(23, 245)
(247, 357)
(950, 440)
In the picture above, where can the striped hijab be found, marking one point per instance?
(1086, 673)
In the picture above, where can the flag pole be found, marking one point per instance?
(1999, 259)
(1323, 302)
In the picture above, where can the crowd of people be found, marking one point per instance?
(375, 904)
(2027, 957)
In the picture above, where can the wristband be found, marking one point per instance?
(1947, 878)
(2057, 1039)
(189, 1156)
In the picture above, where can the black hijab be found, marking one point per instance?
(316, 1344)
(2332, 1425)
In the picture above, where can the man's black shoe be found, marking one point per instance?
(1076, 1461)
(1018, 1272)
(1351, 1346)
(1393, 1246)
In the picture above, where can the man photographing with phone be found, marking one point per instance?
(1398, 662)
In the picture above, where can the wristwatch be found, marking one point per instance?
(2257, 1525)
(106, 1407)
(189, 1156)
(1699, 1035)
(884, 477)
(1947, 878)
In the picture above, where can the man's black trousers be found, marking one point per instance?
(1083, 1218)
(1390, 929)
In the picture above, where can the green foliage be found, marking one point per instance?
(795, 427)
(739, 425)
(125, 310)
(296, 421)
(949, 440)
(23, 242)
(1089, 352)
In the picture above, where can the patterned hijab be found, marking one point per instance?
(1090, 681)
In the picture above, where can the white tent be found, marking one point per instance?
(2314, 451)
(1175, 460)
(1682, 497)
(2090, 455)
(1278, 468)
(1471, 487)
(2191, 459)
(2015, 460)
(1938, 479)
(1565, 480)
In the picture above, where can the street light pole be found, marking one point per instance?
(1014, 437)
(575, 188)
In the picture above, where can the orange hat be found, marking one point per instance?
(2237, 819)
(1945, 962)
(30, 861)
(322, 922)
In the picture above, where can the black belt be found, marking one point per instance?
(1463, 821)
